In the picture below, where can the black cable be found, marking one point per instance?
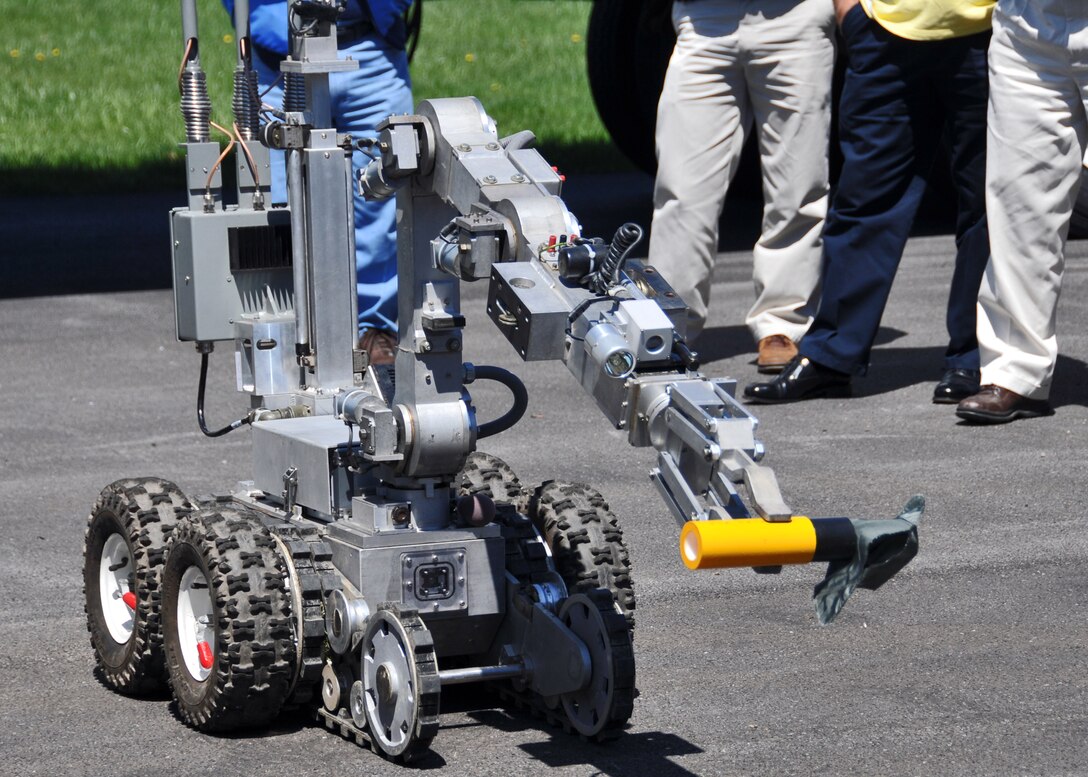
(200, 403)
(625, 239)
(516, 411)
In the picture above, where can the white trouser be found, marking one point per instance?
(1037, 135)
(737, 62)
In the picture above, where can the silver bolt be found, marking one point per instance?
(490, 179)
(517, 178)
(492, 146)
(407, 562)
(465, 147)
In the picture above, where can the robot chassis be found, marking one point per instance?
(375, 557)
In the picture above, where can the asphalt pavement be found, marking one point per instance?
(973, 661)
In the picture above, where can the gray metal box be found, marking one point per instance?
(467, 595)
(213, 283)
(527, 310)
(310, 446)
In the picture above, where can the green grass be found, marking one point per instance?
(88, 96)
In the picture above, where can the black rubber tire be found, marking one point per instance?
(628, 46)
(493, 477)
(254, 651)
(143, 511)
(586, 541)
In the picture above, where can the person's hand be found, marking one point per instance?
(842, 7)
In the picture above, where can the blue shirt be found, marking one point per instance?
(268, 19)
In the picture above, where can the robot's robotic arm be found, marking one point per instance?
(618, 327)
(614, 322)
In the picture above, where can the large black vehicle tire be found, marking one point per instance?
(628, 46)
(123, 552)
(586, 541)
(227, 622)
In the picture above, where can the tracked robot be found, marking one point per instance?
(374, 556)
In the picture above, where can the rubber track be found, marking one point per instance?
(528, 561)
(153, 507)
(317, 577)
(623, 657)
(430, 689)
(255, 653)
(586, 541)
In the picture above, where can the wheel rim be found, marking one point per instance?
(114, 581)
(389, 689)
(588, 709)
(194, 619)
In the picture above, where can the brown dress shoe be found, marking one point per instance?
(380, 346)
(775, 352)
(995, 405)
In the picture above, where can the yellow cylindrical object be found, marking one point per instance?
(747, 542)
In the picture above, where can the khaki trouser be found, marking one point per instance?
(1036, 141)
(739, 64)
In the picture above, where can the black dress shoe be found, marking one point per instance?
(802, 378)
(956, 384)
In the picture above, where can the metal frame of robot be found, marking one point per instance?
(336, 445)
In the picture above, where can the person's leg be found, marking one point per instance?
(702, 118)
(789, 80)
(889, 129)
(1036, 142)
(361, 100)
(964, 96)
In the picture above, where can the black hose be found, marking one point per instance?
(516, 411)
(200, 403)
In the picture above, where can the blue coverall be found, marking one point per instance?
(361, 99)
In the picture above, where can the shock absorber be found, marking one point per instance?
(246, 102)
(294, 92)
(196, 106)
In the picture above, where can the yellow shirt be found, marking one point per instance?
(931, 19)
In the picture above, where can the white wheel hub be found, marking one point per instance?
(196, 632)
(115, 588)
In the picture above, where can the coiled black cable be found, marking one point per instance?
(516, 411)
(625, 239)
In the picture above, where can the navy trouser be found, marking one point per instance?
(899, 98)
